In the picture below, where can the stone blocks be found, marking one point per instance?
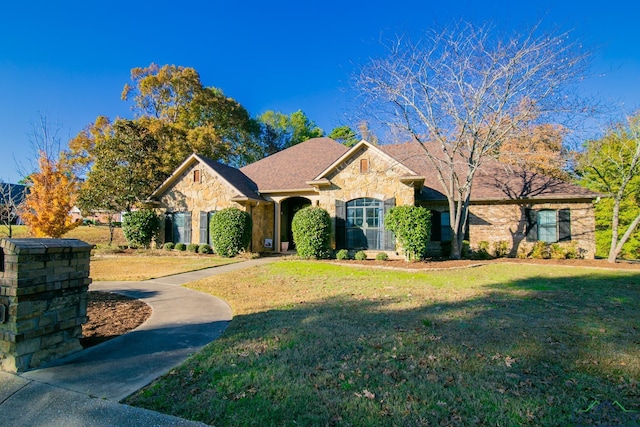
(43, 286)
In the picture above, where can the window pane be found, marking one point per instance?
(445, 227)
(547, 230)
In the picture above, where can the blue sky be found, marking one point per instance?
(69, 60)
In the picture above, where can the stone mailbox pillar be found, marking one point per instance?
(43, 300)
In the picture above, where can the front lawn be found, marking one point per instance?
(318, 344)
(152, 265)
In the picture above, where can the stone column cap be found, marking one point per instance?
(42, 245)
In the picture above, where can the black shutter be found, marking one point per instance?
(168, 227)
(564, 225)
(204, 227)
(341, 216)
(388, 238)
(187, 227)
(436, 226)
(532, 225)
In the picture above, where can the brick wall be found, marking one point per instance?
(43, 291)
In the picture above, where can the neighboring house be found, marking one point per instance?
(357, 186)
(11, 197)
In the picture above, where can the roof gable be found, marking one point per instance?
(232, 177)
(354, 151)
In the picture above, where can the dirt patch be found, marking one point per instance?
(111, 315)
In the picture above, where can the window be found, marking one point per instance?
(364, 165)
(196, 175)
(178, 227)
(440, 226)
(205, 219)
(548, 225)
(360, 224)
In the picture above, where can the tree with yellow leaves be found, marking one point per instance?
(51, 196)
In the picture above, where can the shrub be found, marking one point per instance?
(230, 231)
(311, 227)
(412, 227)
(360, 256)
(500, 248)
(192, 247)
(382, 256)
(168, 246)
(540, 250)
(556, 251)
(180, 247)
(140, 227)
(465, 252)
(571, 251)
(342, 254)
(482, 252)
(205, 249)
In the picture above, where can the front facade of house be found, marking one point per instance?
(357, 186)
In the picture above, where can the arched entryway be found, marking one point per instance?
(288, 209)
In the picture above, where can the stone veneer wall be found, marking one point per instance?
(381, 182)
(213, 194)
(43, 290)
(507, 222)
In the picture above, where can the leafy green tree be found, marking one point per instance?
(611, 165)
(140, 227)
(412, 228)
(162, 92)
(280, 131)
(344, 135)
(230, 231)
(125, 169)
(311, 227)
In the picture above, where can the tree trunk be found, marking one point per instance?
(615, 251)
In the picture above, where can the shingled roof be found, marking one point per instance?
(245, 188)
(494, 181)
(290, 169)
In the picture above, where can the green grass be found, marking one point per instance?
(317, 344)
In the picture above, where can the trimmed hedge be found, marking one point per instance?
(180, 247)
(140, 227)
(168, 246)
(412, 227)
(342, 254)
(360, 256)
(311, 227)
(192, 247)
(205, 249)
(230, 231)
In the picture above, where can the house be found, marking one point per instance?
(11, 197)
(357, 186)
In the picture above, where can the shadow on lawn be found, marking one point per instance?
(535, 351)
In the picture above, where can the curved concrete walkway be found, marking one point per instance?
(84, 388)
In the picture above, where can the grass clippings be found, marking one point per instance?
(318, 344)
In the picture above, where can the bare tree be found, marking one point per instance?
(461, 92)
(11, 199)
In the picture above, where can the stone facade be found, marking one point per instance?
(507, 222)
(43, 293)
(204, 191)
(381, 181)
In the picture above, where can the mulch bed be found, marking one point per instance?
(111, 315)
